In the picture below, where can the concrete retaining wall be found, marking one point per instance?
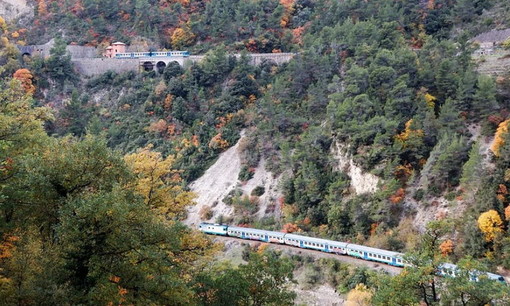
(97, 66)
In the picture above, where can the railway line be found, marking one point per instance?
(314, 253)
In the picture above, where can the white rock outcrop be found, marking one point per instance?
(361, 182)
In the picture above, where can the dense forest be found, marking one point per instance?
(94, 172)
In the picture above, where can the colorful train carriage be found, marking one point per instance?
(338, 247)
(255, 234)
(215, 229)
(308, 242)
(373, 254)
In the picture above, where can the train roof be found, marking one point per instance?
(315, 240)
(214, 224)
(358, 247)
(255, 231)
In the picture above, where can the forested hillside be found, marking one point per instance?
(94, 172)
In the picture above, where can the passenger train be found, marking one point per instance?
(151, 54)
(329, 246)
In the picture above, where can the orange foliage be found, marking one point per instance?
(446, 247)
(159, 126)
(289, 9)
(398, 196)
(167, 105)
(224, 120)
(307, 221)
(171, 129)
(403, 172)
(195, 141)
(502, 193)
(297, 35)
(25, 77)
(42, 8)
(289, 228)
(7, 245)
(499, 139)
(507, 213)
(373, 228)
(217, 142)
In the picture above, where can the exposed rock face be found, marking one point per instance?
(222, 177)
(360, 182)
(214, 185)
(12, 9)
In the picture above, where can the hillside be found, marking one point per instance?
(387, 128)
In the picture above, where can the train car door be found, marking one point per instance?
(267, 238)
(393, 261)
(365, 256)
(326, 247)
(301, 243)
(242, 235)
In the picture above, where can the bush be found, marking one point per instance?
(418, 194)
(245, 174)
(206, 213)
(258, 191)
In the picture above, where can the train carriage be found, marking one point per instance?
(308, 242)
(255, 234)
(338, 247)
(152, 54)
(373, 254)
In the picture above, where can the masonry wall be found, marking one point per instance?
(97, 66)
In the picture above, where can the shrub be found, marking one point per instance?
(206, 213)
(258, 191)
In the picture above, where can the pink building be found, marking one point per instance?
(116, 47)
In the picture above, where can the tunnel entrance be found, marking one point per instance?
(148, 66)
(160, 67)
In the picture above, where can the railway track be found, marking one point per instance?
(315, 254)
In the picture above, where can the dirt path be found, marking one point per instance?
(317, 254)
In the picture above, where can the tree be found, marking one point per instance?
(499, 137)
(59, 66)
(490, 224)
(158, 183)
(484, 100)
(471, 286)
(25, 77)
(359, 296)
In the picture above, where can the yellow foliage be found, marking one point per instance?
(499, 139)
(359, 296)
(490, 224)
(430, 99)
(408, 133)
(158, 183)
(182, 38)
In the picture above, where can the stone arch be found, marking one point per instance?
(148, 66)
(160, 66)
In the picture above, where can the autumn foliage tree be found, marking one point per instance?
(25, 77)
(499, 137)
(490, 224)
(158, 183)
